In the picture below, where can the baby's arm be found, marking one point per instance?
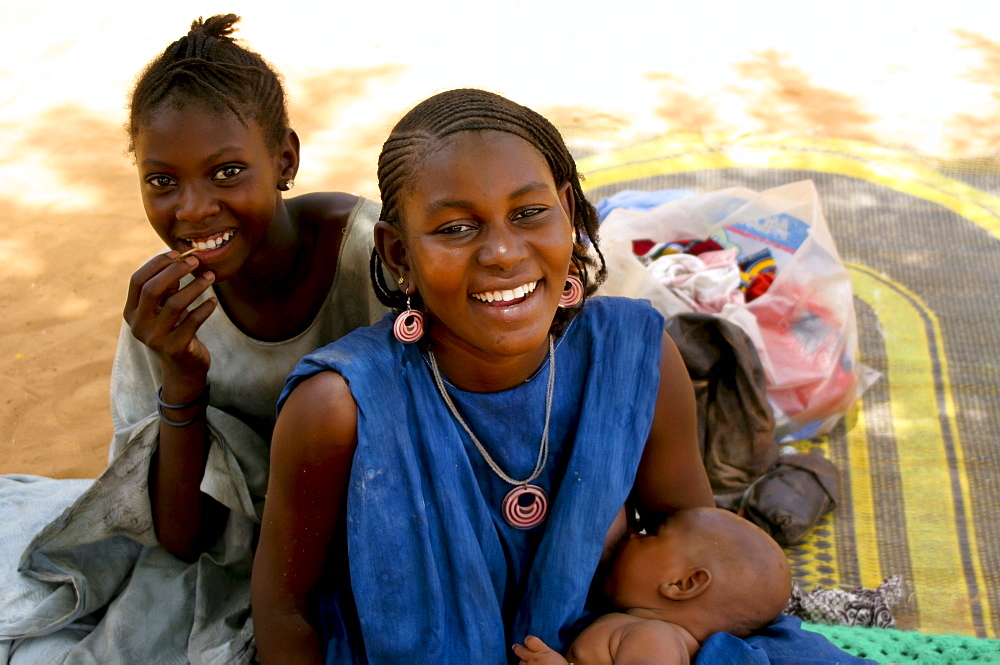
(536, 652)
(650, 642)
(610, 640)
(616, 639)
(313, 446)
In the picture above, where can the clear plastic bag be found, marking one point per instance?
(803, 326)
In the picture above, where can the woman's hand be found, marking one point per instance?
(156, 310)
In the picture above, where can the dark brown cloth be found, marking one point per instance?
(788, 500)
(784, 495)
(735, 424)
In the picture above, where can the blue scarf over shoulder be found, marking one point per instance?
(437, 575)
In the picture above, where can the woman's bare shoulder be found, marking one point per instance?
(320, 414)
(323, 208)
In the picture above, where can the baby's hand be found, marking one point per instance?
(536, 652)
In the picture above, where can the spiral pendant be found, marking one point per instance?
(409, 326)
(525, 506)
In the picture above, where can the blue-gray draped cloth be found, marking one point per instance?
(82, 576)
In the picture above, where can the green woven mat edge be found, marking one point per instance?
(888, 645)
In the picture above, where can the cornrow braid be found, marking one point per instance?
(470, 110)
(209, 67)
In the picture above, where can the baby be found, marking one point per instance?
(704, 571)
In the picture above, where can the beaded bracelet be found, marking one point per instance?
(202, 401)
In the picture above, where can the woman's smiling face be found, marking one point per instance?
(208, 183)
(488, 237)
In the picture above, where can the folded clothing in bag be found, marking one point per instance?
(802, 325)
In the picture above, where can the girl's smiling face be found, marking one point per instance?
(208, 183)
(487, 237)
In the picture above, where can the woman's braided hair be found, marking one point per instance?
(207, 66)
(470, 110)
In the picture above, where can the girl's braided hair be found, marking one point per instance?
(207, 66)
(470, 110)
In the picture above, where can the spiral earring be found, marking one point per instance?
(409, 325)
(572, 293)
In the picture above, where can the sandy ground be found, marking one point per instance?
(922, 75)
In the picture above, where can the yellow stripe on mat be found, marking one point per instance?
(863, 503)
(924, 466)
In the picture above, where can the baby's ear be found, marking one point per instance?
(692, 583)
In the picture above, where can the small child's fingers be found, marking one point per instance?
(536, 651)
(534, 643)
(524, 653)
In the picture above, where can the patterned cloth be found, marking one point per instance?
(857, 607)
(93, 586)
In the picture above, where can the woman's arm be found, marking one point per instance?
(311, 454)
(671, 473)
(156, 311)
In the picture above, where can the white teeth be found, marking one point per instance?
(506, 294)
(211, 243)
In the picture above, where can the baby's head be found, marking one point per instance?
(705, 569)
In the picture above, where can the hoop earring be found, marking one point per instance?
(409, 325)
(572, 293)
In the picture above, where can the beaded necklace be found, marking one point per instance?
(526, 505)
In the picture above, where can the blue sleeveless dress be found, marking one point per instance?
(435, 573)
